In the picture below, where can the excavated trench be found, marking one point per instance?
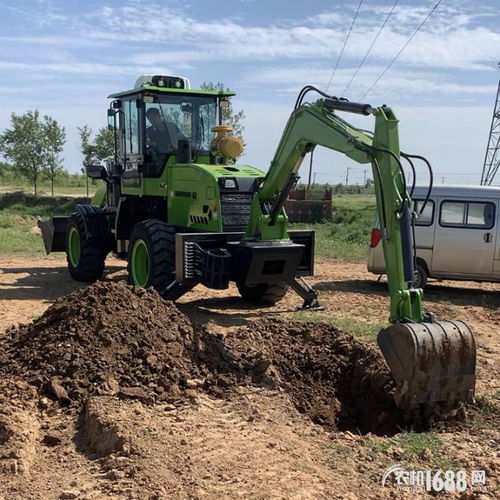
(113, 339)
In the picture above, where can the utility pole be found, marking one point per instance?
(442, 180)
(364, 177)
(347, 176)
(492, 156)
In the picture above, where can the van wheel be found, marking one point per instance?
(420, 277)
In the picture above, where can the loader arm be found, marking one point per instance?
(317, 124)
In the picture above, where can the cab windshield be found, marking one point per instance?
(172, 117)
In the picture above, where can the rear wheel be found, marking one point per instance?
(151, 258)
(263, 293)
(85, 256)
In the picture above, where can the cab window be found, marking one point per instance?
(130, 127)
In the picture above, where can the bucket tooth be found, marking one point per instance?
(430, 362)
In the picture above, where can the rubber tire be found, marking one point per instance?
(159, 238)
(93, 253)
(263, 294)
(421, 276)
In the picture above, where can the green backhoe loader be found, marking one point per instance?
(182, 212)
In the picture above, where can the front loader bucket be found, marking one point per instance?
(54, 233)
(430, 362)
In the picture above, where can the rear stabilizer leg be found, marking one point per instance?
(310, 296)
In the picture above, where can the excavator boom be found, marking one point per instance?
(432, 362)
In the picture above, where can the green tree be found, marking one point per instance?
(55, 137)
(99, 147)
(104, 143)
(229, 115)
(33, 145)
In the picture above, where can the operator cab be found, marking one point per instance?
(161, 121)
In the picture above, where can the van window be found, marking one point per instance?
(467, 214)
(481, 215)
(426, 218)
(453, 213)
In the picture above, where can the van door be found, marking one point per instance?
(465, 237)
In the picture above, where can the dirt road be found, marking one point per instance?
(255, 444)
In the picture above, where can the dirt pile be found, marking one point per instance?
(338, 381)
(113, 339)
(108, 338)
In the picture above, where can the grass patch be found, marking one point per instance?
(340, 452)
(353, 326)
(377, 448)
(425, 446)
(17, 236)
(18, 213)
(415, 449)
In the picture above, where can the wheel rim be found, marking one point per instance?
(418, 279)
(74, 246)
(140, 263)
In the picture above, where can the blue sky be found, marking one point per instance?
(65, 57)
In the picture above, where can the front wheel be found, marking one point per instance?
(151, 258)
(264, 293)
(85, 256)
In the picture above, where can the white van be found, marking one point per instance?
(456, 235)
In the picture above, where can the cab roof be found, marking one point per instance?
(168, 90)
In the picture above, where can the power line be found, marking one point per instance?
(343, 47)
(370, 48)
(401, 50)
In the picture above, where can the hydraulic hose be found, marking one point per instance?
(412, 166)
(407, 245)
(431, 177)
(309, 88)
(382, 202)
(391, 153)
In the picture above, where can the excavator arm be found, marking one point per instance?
(432, 362)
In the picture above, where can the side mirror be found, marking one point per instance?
(96, 172)
(112, 119)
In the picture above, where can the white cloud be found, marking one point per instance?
(450, 39)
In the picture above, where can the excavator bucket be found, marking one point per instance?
(431, 362)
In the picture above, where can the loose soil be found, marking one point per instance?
(114, 393)
(107, 338)
(114, 339)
